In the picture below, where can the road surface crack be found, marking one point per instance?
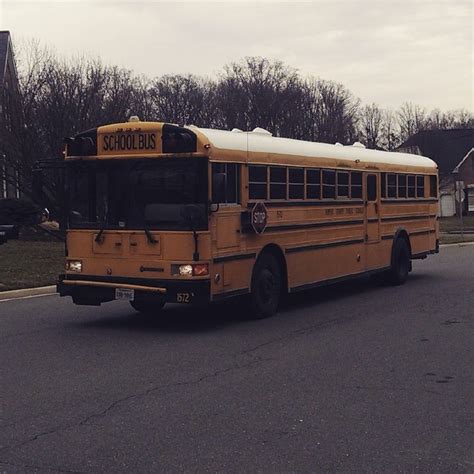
(114, 404)
(291, 335)
(34, 466)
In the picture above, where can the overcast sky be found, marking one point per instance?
(384, 51)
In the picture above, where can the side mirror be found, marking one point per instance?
(45, 214)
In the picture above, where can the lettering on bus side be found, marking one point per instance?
(129, 142)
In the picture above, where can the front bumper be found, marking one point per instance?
(94, 290)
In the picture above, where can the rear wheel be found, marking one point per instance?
(148, 308)
(400, 267)
(266, 287)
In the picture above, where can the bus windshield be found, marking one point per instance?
(138, 194)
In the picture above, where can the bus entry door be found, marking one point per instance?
(372, 217)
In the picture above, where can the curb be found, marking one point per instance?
(40, 291)
(457, 244)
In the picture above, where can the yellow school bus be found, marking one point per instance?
(162, 213)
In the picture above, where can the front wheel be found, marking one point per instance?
(148, 308)
(266, 287)
(400, 267)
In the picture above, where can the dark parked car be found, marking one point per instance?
(9, 231)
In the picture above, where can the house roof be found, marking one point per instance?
(468, 154)
(445, 147)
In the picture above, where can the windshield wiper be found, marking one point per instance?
(150, 237)
(98, 237)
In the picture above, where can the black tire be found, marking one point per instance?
(148, 308)
(265, 292)
(400, 266)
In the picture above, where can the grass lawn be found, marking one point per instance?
(449, 224)
(452, 224)
(455, 238)
(30, 264)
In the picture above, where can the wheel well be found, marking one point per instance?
(277, 252)
(402, 234)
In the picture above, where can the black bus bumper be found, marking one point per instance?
(94, 290)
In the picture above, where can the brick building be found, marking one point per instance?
(448, 148)
(10, 107)
(464, 172)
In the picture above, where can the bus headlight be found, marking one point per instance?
(187, 270)
(74, 266)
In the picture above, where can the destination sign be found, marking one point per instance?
(128, 142)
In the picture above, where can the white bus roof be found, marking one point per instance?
(261, 141)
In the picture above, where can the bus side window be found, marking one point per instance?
(278, 180)
(313, 184)
(402, 186)
(258, 182)
(296, 183)
(342, 184)
(411, 186)
(225, 183)
(420, 186)
(433, 186)
(356, 185)
(384, 185)
(392, 185)
(371, 187)
(329, 184)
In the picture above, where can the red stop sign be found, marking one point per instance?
(259, 217)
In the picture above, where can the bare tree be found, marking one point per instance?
(259, 93)
(390, 131)
(333, 112)
(411, 119)
(371, 125)
(62, 97)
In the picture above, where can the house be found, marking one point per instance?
(10, 107)
(464, 172)
(447, 148)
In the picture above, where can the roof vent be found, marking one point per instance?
(338, 144)
(134, 118)
(236, 130)
(261, 131)
(358, 145)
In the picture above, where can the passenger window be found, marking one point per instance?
(356, 185)
(257, 182)
(384, 185)
(313, 184)
(433, 186)
(329, 184)
(278, 178)
(420, 186)
(402, 186)
(342, 184)
(371, 187)
(411, 186)
(225, 183)
(392, 185)
(296, 183)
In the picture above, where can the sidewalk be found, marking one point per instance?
(26, 292)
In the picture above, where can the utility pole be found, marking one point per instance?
(460, 200)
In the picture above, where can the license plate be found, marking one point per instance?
(124, 294)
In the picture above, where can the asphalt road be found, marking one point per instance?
(356, 377)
